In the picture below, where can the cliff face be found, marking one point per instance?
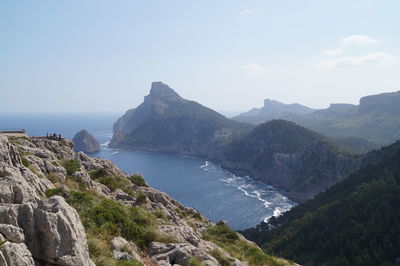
(59, 207)
(84, 141)
(290, 157)
(167, 122)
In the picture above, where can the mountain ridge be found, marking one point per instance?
(186, 127)
(375, 119)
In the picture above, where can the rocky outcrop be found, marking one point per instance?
(86, 142)
(36, 231)
(38, 226)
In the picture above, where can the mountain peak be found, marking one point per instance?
(162, 90)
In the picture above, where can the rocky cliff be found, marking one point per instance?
(86, 142)
(290, 157)
(59, 207)
(167, 122)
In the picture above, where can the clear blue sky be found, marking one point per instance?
(72, 56)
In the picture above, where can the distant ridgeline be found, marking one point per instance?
(355, 222)
(372, 123)
(278, 152)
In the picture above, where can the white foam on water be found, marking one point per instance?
(105, 144)
(208, 166)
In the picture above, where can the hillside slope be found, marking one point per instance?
(59, 207)
(290, 157)
(355, 222)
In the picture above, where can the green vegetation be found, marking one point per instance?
(114, 182)
(72, 166)
(229, 240)
(106, 217)
(2, 242)
(356, 222)
(189, 214)
(25, 161)
(53, 178)
(55, 191)
(98, 173)
(221, 258)
(138, 180)
(194, 262)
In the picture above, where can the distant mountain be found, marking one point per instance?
(355, 222)
(278, 152)
(376, 120)
(272, 110)
(167, 122)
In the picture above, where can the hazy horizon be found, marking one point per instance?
(101, 56)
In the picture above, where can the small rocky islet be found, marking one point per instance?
(86, 142)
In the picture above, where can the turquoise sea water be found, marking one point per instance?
(215, 192)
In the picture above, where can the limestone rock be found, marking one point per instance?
(12, 254)
(84, 141)
(12, 233)
(122, 249)
(172, 254)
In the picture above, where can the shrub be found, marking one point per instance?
(228, 239)
(222, 259)
(98, 173)
(72, 166)
(53, 178)
(138, 180)
(193, 261)
(109, 218)
(55, 191)
(222, 233)
(25, 161)
(114, 182)
(141, 198)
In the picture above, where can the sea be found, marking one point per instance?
(217, 193)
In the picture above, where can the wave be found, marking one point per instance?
(208, 166)
(272, 199)
(105, 144)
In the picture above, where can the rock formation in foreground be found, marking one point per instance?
(59, 207)
(84, 141)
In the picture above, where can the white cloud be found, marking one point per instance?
(378, 59)
(359, 40)
(251, 69)
(332, 52)
(248, 11)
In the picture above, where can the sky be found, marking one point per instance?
(101, 56)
